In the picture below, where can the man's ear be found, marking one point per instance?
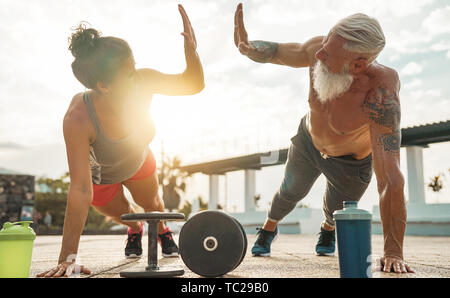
(358, 65)
(103, 88)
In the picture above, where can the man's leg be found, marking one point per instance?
(347, 180)
(299, 176)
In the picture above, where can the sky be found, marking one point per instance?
(244, 108)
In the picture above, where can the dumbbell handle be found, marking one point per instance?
(152, 259)
(152, 219)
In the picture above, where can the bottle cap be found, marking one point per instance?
(17, 231)
(351, 212)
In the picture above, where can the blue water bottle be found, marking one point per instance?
(353, 238)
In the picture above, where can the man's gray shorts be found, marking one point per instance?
(347, 177)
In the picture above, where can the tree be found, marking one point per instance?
(436, 183)
(256, 199)
(187, 207)
(52, 197)
(172, 180)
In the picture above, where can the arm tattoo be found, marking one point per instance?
(265, 50)
(383, 108)
(391, 141)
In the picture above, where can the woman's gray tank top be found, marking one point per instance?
(113, 161)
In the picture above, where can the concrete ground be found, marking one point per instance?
(292, 256)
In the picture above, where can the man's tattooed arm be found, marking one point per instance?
(382, 108)
(391, 141)
(264, 50)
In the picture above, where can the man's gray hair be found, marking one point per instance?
(363, 34)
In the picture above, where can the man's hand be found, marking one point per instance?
(189, 37)
(240, 34)
(257, 50)
(387, 264)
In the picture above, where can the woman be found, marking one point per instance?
(107, 131)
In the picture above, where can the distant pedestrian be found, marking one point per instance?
(48, 219)
(37, 216)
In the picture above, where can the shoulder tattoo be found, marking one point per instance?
(383, 107)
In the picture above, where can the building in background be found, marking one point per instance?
(16, 196)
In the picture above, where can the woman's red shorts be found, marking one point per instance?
(103, 194)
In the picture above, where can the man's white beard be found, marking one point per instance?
(330, 85)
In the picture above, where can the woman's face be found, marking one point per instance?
(124, 85)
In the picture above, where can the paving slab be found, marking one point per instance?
(292, 257)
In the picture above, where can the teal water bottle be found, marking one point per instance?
(353, 231)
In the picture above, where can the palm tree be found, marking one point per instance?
(436, 183)
(172, 180)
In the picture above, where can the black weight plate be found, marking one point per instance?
(211, 225)
(245, 242)
(152, 216)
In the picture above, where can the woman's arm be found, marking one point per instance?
(191, 81)
(79, 195)
(80, 190)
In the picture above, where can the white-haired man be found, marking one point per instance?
(353, 124)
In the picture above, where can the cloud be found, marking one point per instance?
(49, 160)
(407, 41)
(416, 33)
(413, 84)
(11, 145)
(412, 68)
(423, 105)
(440, 46)
(438, 21)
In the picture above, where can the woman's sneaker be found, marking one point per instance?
(168, 245)
(262, 244)
(326, 244)
(133, 248)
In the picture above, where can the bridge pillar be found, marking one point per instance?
(416, 184)
(213, 192)
(250, 190)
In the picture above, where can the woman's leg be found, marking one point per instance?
(145, 194)
(118, 206)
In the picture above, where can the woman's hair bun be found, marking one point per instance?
(83, 41)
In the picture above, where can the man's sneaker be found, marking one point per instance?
(326, 244)
(133, 248)
(263, 242)
(169, 247)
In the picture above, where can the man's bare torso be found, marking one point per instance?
(342, 126)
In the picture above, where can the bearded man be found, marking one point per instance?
(353, 125)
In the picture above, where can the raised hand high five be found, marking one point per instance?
(189, 37)
(257, 50)
(240, 34)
